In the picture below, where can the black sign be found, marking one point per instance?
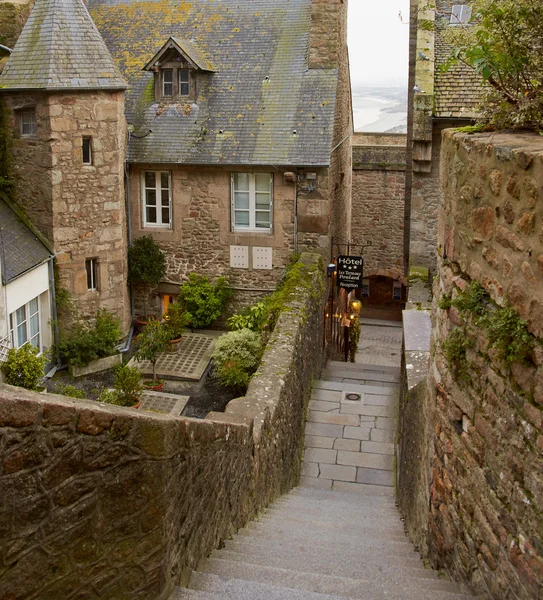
(349, 272)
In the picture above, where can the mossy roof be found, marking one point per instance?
(20, 249)
(261, 105)
(59, 49)
(458, 90)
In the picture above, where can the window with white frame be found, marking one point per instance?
(167, 82)
(24, 325)
(91, 266)
(252, 202)
(184, 82)
(460, 13)
(27, 121)
(156, 198)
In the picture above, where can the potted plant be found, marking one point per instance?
(146, 267)
(24, 367)
(150, 343)
(175, 320)
(127, 388)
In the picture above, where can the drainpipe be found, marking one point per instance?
(54, 307)
(129, 236)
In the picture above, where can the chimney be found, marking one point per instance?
(328, 33)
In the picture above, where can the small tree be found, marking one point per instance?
(23, 367)
(202, 300)
(151, 342)
(146, 265)
(175, 320)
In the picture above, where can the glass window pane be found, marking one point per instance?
(151, 214)
(165, 215)
(184, 89)
(168, 75)
(184, 75)
(35, 341)
(242, 218)
(262, 219)
(241, 182)
(150, 179)
(21, 315)
(262, 201)
(242, 200)
(34, 325)
(21, 335)
(150, 196)
(165, 198)
(262, 182)
(164, 180)
(33, 306)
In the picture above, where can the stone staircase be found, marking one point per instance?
(339, 535)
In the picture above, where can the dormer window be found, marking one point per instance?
(176, 66)
(167, 82)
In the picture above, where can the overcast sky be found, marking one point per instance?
(378, 42)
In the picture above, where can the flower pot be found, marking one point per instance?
(154, 385)
(173, 345)
(141, 321)
(137, 405)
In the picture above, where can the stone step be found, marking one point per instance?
(360, 489)
(334, 503)
(361, 374)
(360, 388)
(396, 585)
(363, 366)
(234, 589)
(299, 510)
(188, 594)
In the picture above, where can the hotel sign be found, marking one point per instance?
(349, 272)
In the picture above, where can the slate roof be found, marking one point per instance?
(20, 249)
(458, 91)
(58, 49)
(270, 108)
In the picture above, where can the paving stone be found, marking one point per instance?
(317, 441)
(323, 484)
(350, 445)
(326, 430)
(376, 400)
(382, 435)
(320, 417)
(363, 489)
(310, 469)
(337, 472)
(377, 447)
(320, 455)
(370, 461)
(385, 423)
(326, 395)
(324, 406)
(374, 476)
(356, 433)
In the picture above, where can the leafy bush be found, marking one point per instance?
(509, 334)
(85, 343)
(128, 384)
(504, 44)
(146, 265)
(354, 338)
(236, 357)
(114, 397)
(23, 367)
(203, 301)
(72, 392)
(473, 299)
(151, 342)
(454, 348)
(175, 320)
(251, 318)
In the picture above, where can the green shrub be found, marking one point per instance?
(203, 301)
(236, 357)
(445, 302)
(454, 348)
(85, 343)
(175, 320)
(509, 334)
(146, 265)
(23, 367)
(354, 338)
(72, 392)
(128, 384)
(473, 299)
(114, 397)
(251, 318)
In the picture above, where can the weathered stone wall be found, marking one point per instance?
(100, 502)
(79, 208)
(378, 203)
(486, 486)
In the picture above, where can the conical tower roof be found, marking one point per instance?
(60, 49)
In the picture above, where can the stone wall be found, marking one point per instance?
(105, 502)
(79, 208)
(485, 390)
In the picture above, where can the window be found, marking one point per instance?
(27, 120)
(91, 266)
(24, 325)
(167, 82)
(252, 202)
(87, 150)
(461, 13)
(396, 291)
(156, 190)
(365, 288)
(184, 82)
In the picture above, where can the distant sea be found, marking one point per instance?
(380, 109)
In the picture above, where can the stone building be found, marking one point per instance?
(238, 145)
(65, 100)
(438, 99)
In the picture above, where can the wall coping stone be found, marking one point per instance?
(417, 328)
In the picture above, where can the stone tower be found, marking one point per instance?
(65, 98)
